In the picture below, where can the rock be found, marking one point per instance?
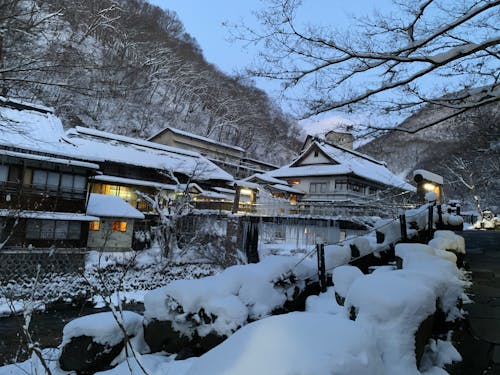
(85, 356)
(160, 336)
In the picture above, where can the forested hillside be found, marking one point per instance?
(464, 149)
(129, 67)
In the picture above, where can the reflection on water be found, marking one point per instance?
(46, 328)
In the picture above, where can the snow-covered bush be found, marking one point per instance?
(221, 304)
(343, 277)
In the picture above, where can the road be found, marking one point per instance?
(478, 341)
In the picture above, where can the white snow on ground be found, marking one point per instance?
(447, 240)
(389, 307)
(103, 327)
(343, 277)
(324, 303)
(295, 343)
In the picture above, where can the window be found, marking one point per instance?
(94, 225)
(39, 178)
(4, 173)
(53, 230)
(71, 182)
(293, 182)
(341, 185)
(74, 230)
(316, 153)
(61, 231)
(119, 226)
(318, 187)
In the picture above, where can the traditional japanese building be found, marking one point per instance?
(43, 181)
(326, 172)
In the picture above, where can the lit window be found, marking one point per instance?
(119, 226)
(293, 182)
(95, 225)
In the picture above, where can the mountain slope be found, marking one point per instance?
(463, 148)
(129, 67)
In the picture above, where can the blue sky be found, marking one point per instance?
(203, 20)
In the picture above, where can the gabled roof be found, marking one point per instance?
(349, 163)
(98, 145)
(111, 206)
(196, 136)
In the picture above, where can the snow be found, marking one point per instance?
(132, 181)
(98, 145)
(199, 137)
(235, 295)
(287, 188)
(31, 129)
(111, 206)
(344, 162)
(292, 344)
(49, 159)
(324, 303)
(430, 196)
(392, 305)
(429, 176)
(261, 177)
(103, 327)
(343, 277)
(448, 240)
(336, 255)
(47, 215)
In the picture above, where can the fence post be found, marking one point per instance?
(320, 251)
(440, 215)
(402, 223)
(430, 222)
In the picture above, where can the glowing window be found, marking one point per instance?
(95, 225)
(119, 226)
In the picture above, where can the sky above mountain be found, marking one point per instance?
(204, 20)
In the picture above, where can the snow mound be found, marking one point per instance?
(336, 255)
(103, 328)
(225, 302)
(343, 277)
(448, 240)
(324, 303)
(295, 343)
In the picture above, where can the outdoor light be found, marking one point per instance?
(429, 187)
(246, 192)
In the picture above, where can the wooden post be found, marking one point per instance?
(440, 216)
(320, 251)
(236, 202)
(430, 222)
(402, 223)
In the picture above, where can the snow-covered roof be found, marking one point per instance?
(34, 130)
(111, 206)
(215, 195)
(198, 137)
(263, 178)
(349, 162)
(429, 176)
(246, 184)
(47, 215)
(49, 159)
(287, 189)
(99, 145)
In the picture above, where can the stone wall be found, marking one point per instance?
(17, 263)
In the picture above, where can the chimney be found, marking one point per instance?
(340, 139)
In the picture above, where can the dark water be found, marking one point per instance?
(45, 328)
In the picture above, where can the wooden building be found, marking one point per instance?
(326, 172)
(43, 182)
(232, 159)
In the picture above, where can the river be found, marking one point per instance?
(46, 328)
